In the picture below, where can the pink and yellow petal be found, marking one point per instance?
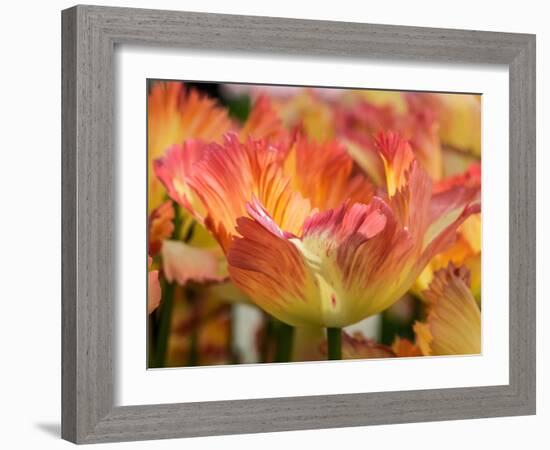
(274, 274)
(174, 170)
(347, 249)
(397, 157)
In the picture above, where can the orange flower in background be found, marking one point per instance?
(310, 113)
(405, 348)
(263, 122)
(357, 126)
(308, 162)
(420, 126)
(362, 120)
(176, 113)
(161, 226)
(459, 118)
(467, 248)
(153, 288)
(174, 167)
(453, 325)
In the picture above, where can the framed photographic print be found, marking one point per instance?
(278, 224)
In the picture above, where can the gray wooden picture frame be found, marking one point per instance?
(90, 34)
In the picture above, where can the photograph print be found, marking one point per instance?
(288, 224)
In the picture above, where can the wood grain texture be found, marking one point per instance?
(89, 267)
(68, 225)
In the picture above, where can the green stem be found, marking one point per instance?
(165, 321)
(189, 230)
(233, 349)
(284, 342)
(152, 327)
(166, 307)
(334, 339)
(194, 348)
(266, 339)
(178, 223)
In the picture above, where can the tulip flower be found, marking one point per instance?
(331, 268)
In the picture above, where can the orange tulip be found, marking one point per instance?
(330, 268)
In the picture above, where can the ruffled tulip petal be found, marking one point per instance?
(173, 170)
(264, 122)
(453, 325)
(273, 272)
(412, 201)
(397, 157)
(183, 263)
(359, 255)
(230, 176)
(310, 161)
